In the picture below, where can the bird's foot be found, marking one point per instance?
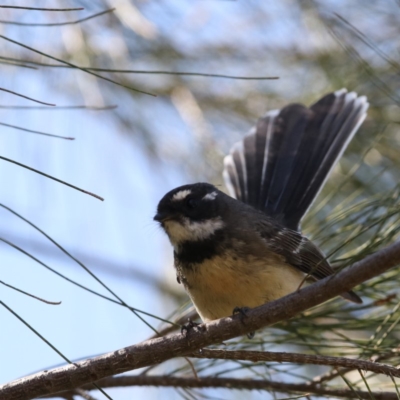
(243, 314)
(189, 326)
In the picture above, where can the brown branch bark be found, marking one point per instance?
(332, 374)
(239, 384)
(265, 356)
(160, 349)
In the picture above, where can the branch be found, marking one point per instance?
(332, 374)
(296, 358)
(240, 384)
(161, 349)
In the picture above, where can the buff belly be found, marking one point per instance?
(220, 284)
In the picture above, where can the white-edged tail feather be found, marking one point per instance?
(281, 165)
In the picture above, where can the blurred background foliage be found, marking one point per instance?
(184, 132)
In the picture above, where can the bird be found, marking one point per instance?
(245, 249)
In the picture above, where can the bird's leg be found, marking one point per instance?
(243, 314)
(190, 325)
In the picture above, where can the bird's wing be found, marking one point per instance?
(298, 252)
(282, 164)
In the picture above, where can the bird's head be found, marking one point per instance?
(191, 213)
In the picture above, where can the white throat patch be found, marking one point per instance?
(179, 232)
(182, 194)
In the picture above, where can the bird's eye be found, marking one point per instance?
(191, 203)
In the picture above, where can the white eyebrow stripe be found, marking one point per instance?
(182, 194)
(210, 196)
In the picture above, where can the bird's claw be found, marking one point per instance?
(190, 325)
(243, 314)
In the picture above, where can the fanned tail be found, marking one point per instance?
(283, 163)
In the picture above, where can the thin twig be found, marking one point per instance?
(52, 177)
(328, 376)
(16, 64)
(26, 97)
(58, 108)
(192, 367)
(37, 132)
(84, 394)
(53, 303)
(75, 66)
(44, 9)
(78, 21)
(161, 72)
(148, 72)
(361, 36)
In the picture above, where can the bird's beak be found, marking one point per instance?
(162, 217)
